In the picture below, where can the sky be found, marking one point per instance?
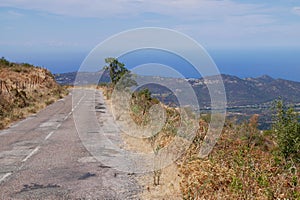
(244, 38)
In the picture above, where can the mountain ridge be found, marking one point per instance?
(239, 91)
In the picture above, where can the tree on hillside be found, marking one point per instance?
(116, 69)
(4, 62)
(287, 129)
(119, 75)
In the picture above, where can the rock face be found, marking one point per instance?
(25, 89)
(28, 80)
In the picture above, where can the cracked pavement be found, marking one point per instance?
(43, 157)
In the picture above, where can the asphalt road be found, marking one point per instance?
(43, 156)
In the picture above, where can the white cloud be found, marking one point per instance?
(11, 14)
(238, 33)
(103, 8)
(14, 13)
(296, 10)
(79, 8)
(216, 21)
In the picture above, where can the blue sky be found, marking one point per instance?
(245, 38)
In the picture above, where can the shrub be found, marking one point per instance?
(27, 65)
(141, 102)
(49, 101)
(287, 129)
(4, 62)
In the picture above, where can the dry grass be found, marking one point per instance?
(169, 187)
(15, 113)
(244, 164)
(237, 170)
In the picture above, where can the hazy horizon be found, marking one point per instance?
(239, 63)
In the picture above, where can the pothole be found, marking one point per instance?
(86, 176)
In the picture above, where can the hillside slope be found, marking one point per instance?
(25, 89)
(249, 91)
(239, 92)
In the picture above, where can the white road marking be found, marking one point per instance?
(5, 176)
(4, 132)
(65, 118)
(31, 154)
(46, 138)
(49, 135)
(78, 102)
(59, 125)
(47, 124)
(68, 115)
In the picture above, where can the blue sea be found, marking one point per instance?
(276, 62)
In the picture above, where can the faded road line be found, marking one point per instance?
(49, 135)
(65, 118)
(5, 176)
(31, 154)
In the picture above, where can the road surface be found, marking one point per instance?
(43, 157)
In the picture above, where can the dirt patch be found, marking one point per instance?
(168, 188)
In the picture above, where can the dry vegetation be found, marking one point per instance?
(24, 90)
(246, 163)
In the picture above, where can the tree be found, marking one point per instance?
(116, 69)
(4, 62)
(143, 99)
(287, 129)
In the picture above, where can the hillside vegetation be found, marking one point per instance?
(239, 92)
(246, 163)
(245, 96)
(25, 89)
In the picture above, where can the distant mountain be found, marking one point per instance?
(250, 91)
(82, 78)
(239, 92)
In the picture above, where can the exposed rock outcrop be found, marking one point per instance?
(25, 89)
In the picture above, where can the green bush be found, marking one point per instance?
(141, 102)
(4, 62)
(27, 65)
(287, 130)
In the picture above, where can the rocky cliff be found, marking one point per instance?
(25, 89)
